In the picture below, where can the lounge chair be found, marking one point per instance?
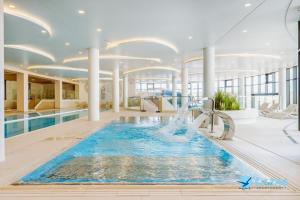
(289, 113)
(263, 107)
(274, 107)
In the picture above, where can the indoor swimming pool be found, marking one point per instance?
(132, 152)
(34, 121)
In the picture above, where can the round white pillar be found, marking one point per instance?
(174, 92)
(125, 91)
(184, 85)
(93, 82)
(241, 91)
(2, 139)
(282, 87)
(116, 88)
(208, 72)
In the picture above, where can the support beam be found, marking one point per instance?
(208, 72)
(2, 140)
(282, 87)
(116, 88)
(184, 85)
(93, 83)
(125, 91)
(174, 90)
(58, 93)
(22, 92)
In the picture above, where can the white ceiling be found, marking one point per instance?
(216, 23)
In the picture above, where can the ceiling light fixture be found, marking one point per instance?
(58, 67)
(190, 37)
(98, 29)
(31, 49)
(81, 12)
(114, 44)
(28, 17)
(245, 31)
(138, 69)
(247, 5)
(67, 44)
(110, 57)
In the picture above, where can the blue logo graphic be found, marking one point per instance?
(245, 182)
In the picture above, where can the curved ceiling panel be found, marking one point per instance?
(31, 50)
(29, 17)
(151, 68)
(159, 41)
(111, 57)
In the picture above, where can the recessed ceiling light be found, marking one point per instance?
(12, 6)
(247, 5)
(81, 12)
(98, 30)
(245, 31)
(43, 31)
(190, 37)
(67, 44)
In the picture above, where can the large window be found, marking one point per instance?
(151, 86)
(230, 86)
(261, 88)
(195, 90)
(291, 85)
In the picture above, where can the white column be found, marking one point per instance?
(22, 92)
(184, 85)
(2, 141)
(93, 82)
(208, 72)
(282, 87)
(241, 91)
(169, 82)
(58, 93)
(125, 91)
(174, 92)
(116, 88)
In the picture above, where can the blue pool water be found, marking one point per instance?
(133, 153)
(16, 126)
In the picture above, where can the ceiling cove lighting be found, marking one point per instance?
(110, 57)
(246, 55)
(12, 6)
(114, 44)
(31, 49)
(28, 17)
(100, 78)
(138, 69)
(58, 67)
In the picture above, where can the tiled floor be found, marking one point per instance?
(263, 144)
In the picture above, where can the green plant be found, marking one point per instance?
(225, 101)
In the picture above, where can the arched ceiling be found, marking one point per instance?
(234, 27)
